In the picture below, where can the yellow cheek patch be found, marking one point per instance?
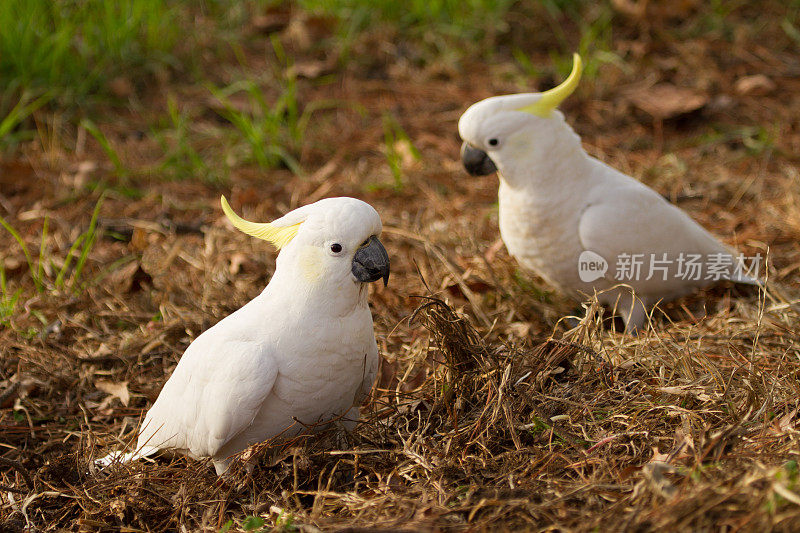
(518, 144)
(309, 262)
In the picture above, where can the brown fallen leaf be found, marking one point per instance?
(415, 380)
(757, 85)
(655, 11)
(387, 375)
(275, 19)
(101, 353)
(658, 457)
(687, 390)
(115, 389)
(121, 87)
(783, 424)
(139, 240)
(312, 69)
(16, 388)
(630, 8)
(129, 278)
(306, 30)
(665, 100)
(472, 283)
(519, 329)
(14, 265)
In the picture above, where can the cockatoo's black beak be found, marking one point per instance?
(371, 262)
(477, 162)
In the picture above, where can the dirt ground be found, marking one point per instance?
(491, 412)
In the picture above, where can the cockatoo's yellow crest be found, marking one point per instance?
(278, 236)
(552, 98)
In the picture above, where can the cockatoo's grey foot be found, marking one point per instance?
(633, 312)
(346, 425)
(222, 465)
(350, 420)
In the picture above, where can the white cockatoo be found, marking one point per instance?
(300, 354)
(572, 219)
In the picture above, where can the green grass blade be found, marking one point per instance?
(8, 303)
(40, 263)
(92, 128)
(25, 251)
(59, 284)
(88, 242)
(20, 112)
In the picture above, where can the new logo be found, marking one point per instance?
(591, 266)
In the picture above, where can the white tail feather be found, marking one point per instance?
(123, 457)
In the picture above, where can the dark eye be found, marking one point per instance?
(492, 142)
(336, 247)
(365, 243)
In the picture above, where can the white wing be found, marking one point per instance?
(633, 219)
(215, 392)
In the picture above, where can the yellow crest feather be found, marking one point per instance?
(278, 236)
(552, 98)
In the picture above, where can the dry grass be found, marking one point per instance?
(576, 433)
(492, 411)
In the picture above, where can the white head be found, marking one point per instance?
(332, 243)
(515, 129)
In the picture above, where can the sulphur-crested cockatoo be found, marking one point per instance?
(300, 354)
(580, 224)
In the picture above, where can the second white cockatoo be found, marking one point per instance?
(300, 354)
(581, 225)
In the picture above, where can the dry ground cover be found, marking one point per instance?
(491, 412)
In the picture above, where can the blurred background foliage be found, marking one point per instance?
(81, 58)
(72, 65)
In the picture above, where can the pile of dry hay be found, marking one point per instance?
(581, 433)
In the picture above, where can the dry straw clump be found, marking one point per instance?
(587, 432)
